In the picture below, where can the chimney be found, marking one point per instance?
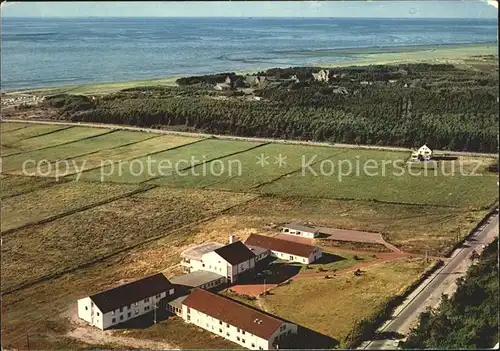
(232, 238)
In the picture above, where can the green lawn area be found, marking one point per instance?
(245, 171)
(49, 201)
(56, 138)
(180, 158)
(332, 306)
(333, 261)
(391, 183)
(127, 152)
(63, 152)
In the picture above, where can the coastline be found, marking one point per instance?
(457, 54)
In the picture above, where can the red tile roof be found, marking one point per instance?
(228, 311)
(281, 245)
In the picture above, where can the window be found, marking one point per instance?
(136, 311)
(158, 296)
(227, 325)
(113, 320)
(121, 309)
(283, 327)
(291, 258)
(243, 340)
(220, 322)
(220, 330)
(227, 334)
(146, 299)
(203, 265)
(86, 308)
(253, 345)
(260, 348)
(97, 314)
(129, 314)
(121, 317)
(238, 338)
(146, 308)
(238, 330)
(112, 313)
(171, 291)
(243, 332)
(136, 304)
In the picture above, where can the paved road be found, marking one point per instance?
(429, 292)
(231, 137)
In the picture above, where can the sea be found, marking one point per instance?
(43, 52)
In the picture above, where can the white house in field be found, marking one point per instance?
(297, 229)
(423, 153)
(236, 322)
(125, 302)
(284, 249)
(230, 261)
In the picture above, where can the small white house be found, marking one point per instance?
(120, 304)
(297, 229)
(284, 249)
(424, 153)
(236, 322)
(229, 261)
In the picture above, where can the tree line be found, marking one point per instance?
(469, 319)
(448, 113)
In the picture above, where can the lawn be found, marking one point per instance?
(45, 202)
(141, 170)
(33, 252)
(57, 137)
(332, 306)
(14, 163)
(390, 183)
(149, 146)
(246, 171)
(333, 261)
(16, 185)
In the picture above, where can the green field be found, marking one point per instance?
(12, 140)
(9, 127)
(17, 185)
(164, 162)
(58, 137)
(391, 184)
(148, 146)
(73, 149)
(242, 172)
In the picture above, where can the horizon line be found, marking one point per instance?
(251, 17)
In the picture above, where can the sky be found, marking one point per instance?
(401, 9)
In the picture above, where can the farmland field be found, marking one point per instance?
(14, 163)
(13, 138)
(8, 127)
(247, 171)
(17, 185)
(42, 203)
(57, 137)
(176, 159)
(148, 146)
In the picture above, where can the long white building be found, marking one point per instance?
(125, 302)
(284, 249)
(234, 321)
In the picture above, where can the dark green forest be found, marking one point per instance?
(470, 318)
(407, 105)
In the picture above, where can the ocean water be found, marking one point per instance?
(51, 52)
